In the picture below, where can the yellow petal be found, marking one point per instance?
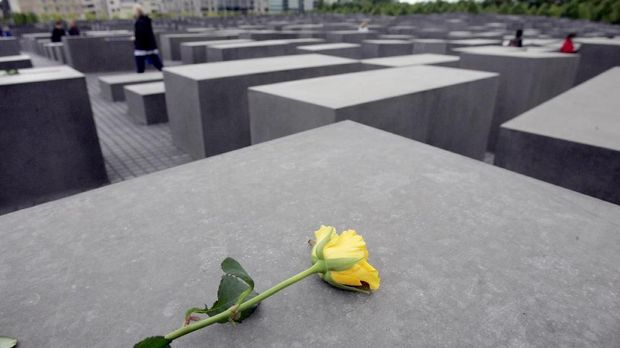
(347, 245)
(323, 232)
(360, 272)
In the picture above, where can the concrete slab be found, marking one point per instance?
(171, 43)
(196, 52)
(99, 54)
(527, 78)
(351, 36)
(413, 59)
(48, 141)
(112, 86)
(573, 140)
(146, 102)
(435, 46)
(248, 50)
(207, 103)
(385, 48)
(9, 46)
(597, 56)
(342, 49)
(486, 256)
(21, 61)
(445, 107)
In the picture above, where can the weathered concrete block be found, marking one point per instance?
(146, 102)
(99, 54)
(450, 232)
(444, 107)
(196, 52)
(343, 49)
(21, 61)
(573, 140)
(171, 43)
(413, 59)
(596, 56)
(48, 141)
(9, 46)
(527, 78)
(385, 48)
(207, 103)
(453, 44)
(351, 36)
(436, 46)
(112, 86)
(248, 50)
(263, 35)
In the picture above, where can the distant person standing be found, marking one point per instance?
(517, 41)
(568, 46)
(58, 32)
(6, 32)
(145, 46)
(73, 29)
(363, 27)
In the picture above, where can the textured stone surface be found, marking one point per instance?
(48, 142)
(386, 48)
(342, 49)
(352, 36)
(171, 43)
(596, 56)
(97, 54)
(9, 46)
(207, 103)
(573, 140)
(413, 59)
(196, 52)
(436, 46)
(445, 107)
(20, 61)
(248, 50)
(469, 255)
(111, 86)
(146, 102)
(527, 78)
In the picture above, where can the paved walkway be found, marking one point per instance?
(129, 150)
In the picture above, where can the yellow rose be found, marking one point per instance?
(345, 259)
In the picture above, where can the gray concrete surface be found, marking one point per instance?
(146, 102)
(9, 46)
(445, 107)
(99, 54)
(413, 59)
(248, 50)
(597, 56)
(469, 255)
(196, 52)
(20, 61)
(171, 43)
(48, 142)
(207, 103)
(112, 86)
(342, 49)
(573, 140)
(351, 36)
(527, 78)
(386, 48)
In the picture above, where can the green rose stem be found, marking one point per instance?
(318, 267)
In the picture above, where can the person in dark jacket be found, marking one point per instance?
(58, 32)
(145, 46)
(518, 39)
(73, 29)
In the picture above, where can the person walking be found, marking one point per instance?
(145, 46)
(568, 46)
(73, 29)
(58, 32)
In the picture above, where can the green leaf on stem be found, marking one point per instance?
(232, 267)
(231, 288)
(154, 342)
(7, 342)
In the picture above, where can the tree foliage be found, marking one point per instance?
(594, 10)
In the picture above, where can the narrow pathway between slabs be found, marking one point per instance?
(129, 150)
